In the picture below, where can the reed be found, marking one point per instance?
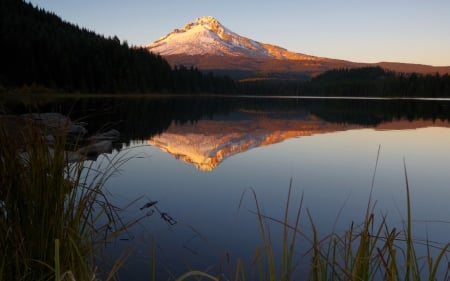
(53, 213)
(367, 251)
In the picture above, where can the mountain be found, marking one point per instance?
(207, 36)
(208, 45)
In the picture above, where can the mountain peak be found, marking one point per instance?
(209, 20)
(207, 36)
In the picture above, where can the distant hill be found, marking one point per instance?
(207, 44)
(240, 67)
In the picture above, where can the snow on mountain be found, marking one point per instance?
(207, 36)
(206, 44)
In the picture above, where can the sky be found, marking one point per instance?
(410, 31)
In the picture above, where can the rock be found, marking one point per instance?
(76, 129)
(54, 123)
(109, 135)
(50, 139)
(50, 125)
(50, 119)
(96, 148)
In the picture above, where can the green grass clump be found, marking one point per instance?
(51, 210)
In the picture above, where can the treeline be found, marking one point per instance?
(361, 82)
(270, 87)
(376, 81)
(41, 51)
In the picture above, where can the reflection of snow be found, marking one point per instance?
(209, 142)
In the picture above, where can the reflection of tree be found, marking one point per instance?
(164, 216)
(142, 118)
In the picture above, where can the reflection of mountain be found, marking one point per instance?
(208, 142)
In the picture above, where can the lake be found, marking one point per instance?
(204, 159)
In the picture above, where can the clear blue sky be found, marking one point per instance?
(413, 31)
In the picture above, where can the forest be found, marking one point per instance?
(370, 81)
(41, 52)
(376, 81)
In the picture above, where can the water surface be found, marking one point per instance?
(198, 170)
(201, 159)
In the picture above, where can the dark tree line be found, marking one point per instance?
(192, 80)
(376, 81)
(42, 51)
(362, 82)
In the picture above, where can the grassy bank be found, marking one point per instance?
(53, 213)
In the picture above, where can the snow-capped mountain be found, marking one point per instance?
(208, 45)
(207, 36)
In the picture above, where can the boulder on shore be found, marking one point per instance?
(51, 125)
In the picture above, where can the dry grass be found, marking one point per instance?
(53, 213)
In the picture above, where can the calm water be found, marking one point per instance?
(199, 158)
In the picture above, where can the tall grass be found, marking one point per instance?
(265, 260)
(368, 251)
(51, 210)
(375, 251)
